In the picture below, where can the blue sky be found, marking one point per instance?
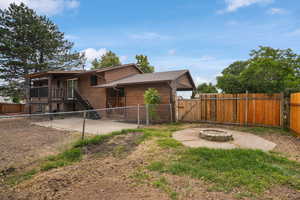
(203, 36)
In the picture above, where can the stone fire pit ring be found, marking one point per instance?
(215, 135)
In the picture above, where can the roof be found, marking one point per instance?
(58, 72)
(149, 78)
(104, 69)
(79, 72)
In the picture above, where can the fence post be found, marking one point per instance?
(171, 113)
(83, 125)
(147, 114)
(282, 102)
(138, 116)
(246, 109)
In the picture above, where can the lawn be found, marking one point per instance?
(161, 161)
(253, 171)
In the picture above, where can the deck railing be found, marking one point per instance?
(43, 92)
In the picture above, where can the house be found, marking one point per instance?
(117, 86)
(5, 100)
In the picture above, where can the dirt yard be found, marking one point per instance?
(22, 143)
(117, 169)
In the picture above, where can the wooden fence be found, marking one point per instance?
(295, 113)
(11, 108)
(243, 109)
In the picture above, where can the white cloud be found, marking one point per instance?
(47, 7)
(172, 52)
(294, 33)
(233, 5)
(123, 59)
(203, 69)
(207, 58)
(91, 53)
(276, 11)
(149, 36)
(71, 37)
(72, 4)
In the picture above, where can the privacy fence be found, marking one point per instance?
(242, 109)
(295, 113)
(11, 108)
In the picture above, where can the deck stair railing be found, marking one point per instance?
(87, 106)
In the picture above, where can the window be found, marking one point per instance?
(94, 80)
(116, 92)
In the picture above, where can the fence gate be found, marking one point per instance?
(243, 109)
(295, 113)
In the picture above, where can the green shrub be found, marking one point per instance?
(152, 99)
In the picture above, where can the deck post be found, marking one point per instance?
(171, 113)
(50, 95)
(147, 114)
(83, 125)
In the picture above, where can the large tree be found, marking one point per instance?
(267, 71)
(30, 43)
(230, 81)
(109, 59)
(143, 64)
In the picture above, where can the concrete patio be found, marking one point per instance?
(91, 126)
(190, 137)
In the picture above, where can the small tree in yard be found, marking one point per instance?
(152, 99)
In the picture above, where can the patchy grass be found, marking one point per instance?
(168, 143)
(140, 176)
(118, 151)
(74, 154)
(65, 158)
(13, 180)
(163, 185)
(98, 139)
(156, 166)
(265, 130)
(251, 170)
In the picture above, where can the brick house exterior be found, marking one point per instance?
(119, 86)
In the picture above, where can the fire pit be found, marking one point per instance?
(215, 135)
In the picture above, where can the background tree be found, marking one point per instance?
(30, 43)
(271, 70)
(109, 59)
(206, 88)
(267, 71)
(230, 80)
(143, 64)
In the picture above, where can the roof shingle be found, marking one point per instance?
(146, 78)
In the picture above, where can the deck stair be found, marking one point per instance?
(86, 105)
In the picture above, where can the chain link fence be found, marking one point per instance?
(25, 138)
(98, 121)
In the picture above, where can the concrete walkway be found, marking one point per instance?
(190, 137)
(91, 126)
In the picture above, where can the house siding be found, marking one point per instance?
(135, 93)
(96, 96)
(117, 74)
